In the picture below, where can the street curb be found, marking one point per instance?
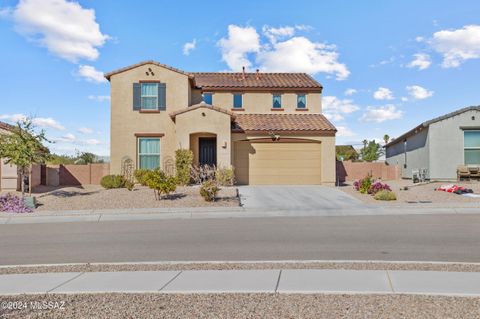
(221, 212)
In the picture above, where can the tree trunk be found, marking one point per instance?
(30, 181)
(22, 183)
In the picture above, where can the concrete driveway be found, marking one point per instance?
(313, 197)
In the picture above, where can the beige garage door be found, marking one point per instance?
(296, 163)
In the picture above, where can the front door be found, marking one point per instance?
(207, 151)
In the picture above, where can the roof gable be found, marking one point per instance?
(200, 106)
(136, 65)
(432, 121)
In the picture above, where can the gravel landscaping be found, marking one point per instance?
(420, 194)
(461, 267)
(95, 197)
(245, 306)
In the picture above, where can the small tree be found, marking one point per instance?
(161, 183)
(23, 147)
(86, 158)
(371, 152)
(183, 165)
(386, 138)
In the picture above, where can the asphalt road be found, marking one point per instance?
(407, 237)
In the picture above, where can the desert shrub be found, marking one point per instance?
(112, 181)
(183, 165)
(225, 176)
(385, 195)
(161, 183)
(13, 204)
(377, 187)
(141, 175)
(363, 185)
(209, 190)
(202, 173)
(129, 185)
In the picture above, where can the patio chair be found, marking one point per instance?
(474, 171)
(463, 172)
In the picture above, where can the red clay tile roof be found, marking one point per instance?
(220, 80)
(6, 126)
(283, 122)
(202, 105)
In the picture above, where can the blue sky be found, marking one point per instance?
(385, 66)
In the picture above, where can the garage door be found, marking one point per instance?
(296, 163)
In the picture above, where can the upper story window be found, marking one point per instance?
(471, 143)
(301, 101)
(277, 101)
(149, 97)
(207, 98)
(237, 101)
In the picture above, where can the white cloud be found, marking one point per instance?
(335, 108)
(419, 39)
(43, 122)
(350, 92)
(47, 122)
(299, 54)
(91, 74)
(343, 131)
(274, 34)
(65, 28)
(381, 114)
(421, 61)
(93, 141)
(99, 98)
(383, 93)
(418, 92)
(240, 42)
(457, 46)
(189, 46)
(85, 130)
(295, 54)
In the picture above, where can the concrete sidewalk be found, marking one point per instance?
(108, 215)
(247, 281)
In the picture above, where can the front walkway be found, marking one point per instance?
(247, 281)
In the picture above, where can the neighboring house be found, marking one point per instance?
(268, 126)
(439, 145)
(9, 180)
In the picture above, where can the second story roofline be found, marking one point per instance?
(238, 81)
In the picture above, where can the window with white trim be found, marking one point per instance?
(149, 96)
(471, 146)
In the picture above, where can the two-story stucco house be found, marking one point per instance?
(268, 126)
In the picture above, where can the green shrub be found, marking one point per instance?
(129, 185)
(365, 184)
(385, 195)
(112, 181)
(161, 183)
(209, 190)
(225, 176)
(183, 165)
(141, 175)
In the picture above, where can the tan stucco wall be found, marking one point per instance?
(125, 122)
(205, 120)
(327, 157)
(8, 174)
(261, 102)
